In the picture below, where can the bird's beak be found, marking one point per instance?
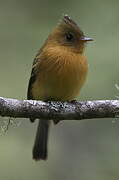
(84, 38)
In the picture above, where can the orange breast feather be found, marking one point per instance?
(61, 74)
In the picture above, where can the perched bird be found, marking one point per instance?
(58, 73)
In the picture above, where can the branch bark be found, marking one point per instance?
(59, 110)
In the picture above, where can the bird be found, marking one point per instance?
(58, 73)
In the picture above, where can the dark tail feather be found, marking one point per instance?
(40, 146)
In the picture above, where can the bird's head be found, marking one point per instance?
(69, 35)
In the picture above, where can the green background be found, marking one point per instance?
(77, 150)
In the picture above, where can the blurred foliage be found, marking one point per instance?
(77, 150)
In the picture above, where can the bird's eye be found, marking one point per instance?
(69, 37)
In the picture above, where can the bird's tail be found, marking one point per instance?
(40, 145)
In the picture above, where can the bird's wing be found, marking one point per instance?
(34, 72)
(32, 78)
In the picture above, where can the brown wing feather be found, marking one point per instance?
(32, 79)
(34, 73)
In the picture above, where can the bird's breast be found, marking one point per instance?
(61, 77)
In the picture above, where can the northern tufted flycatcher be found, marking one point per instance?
(58, 73)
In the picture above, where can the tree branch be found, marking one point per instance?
(59, 110)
